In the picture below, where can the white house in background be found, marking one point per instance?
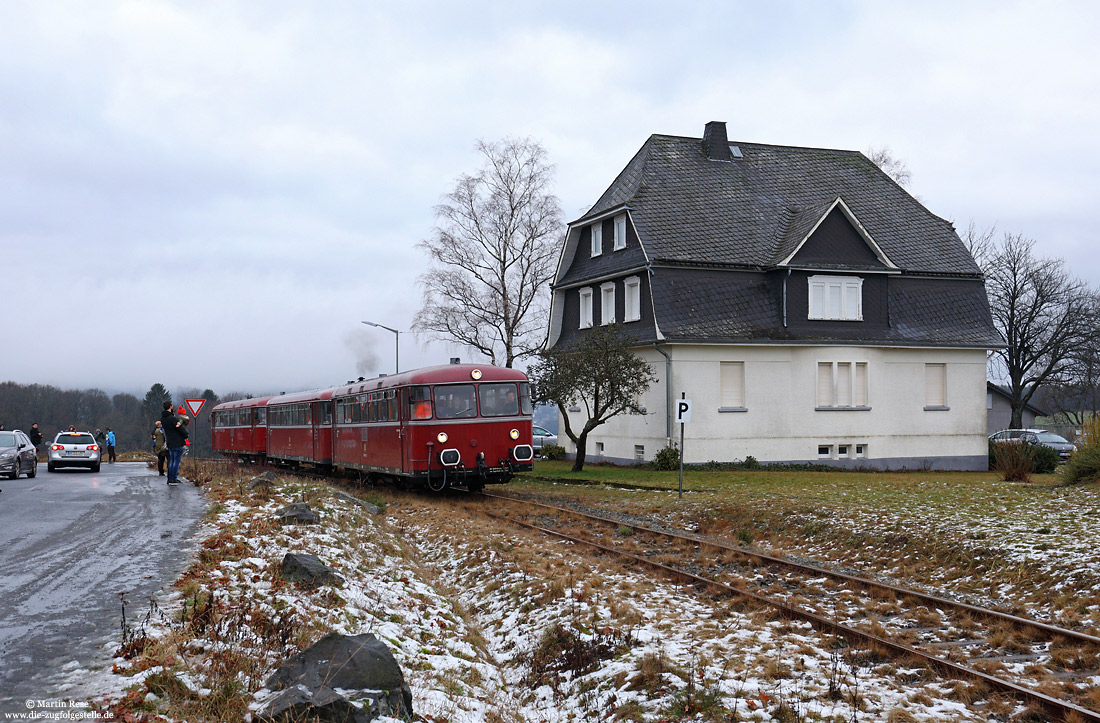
(810, 308)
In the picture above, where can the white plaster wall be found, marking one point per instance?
(781, 422)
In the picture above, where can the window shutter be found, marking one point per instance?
(732, 384)
(935, 385)
(834, 302)
(859, 395)
(844, 384)
(824, 384)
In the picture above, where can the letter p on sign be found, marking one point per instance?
(683, 411)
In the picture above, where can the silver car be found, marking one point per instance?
(17, 455)
(74, 449)
(541, 436)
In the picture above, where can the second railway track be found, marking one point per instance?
(1041, 665)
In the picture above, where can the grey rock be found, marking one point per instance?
(371, 508)
(361, 667)
(267, 479)
(298, 513)
(300, 567)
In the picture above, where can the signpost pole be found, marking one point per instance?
(680, 414)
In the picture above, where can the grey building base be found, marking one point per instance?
(961, 463)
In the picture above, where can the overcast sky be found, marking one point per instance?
(215, 194)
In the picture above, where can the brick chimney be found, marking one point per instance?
(716, 146)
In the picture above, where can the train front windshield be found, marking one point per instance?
(455, 401)
(495, 399)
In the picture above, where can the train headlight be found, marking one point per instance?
(475, 374)
(514, 434)
(441, 437)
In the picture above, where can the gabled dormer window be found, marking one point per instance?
(836, 298)
(620, 232)
(607, 303)
(597, 239)
(585, 308)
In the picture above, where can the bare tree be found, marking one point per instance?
(493, 250)
(1043, 313)
(893, 167)
(980, 242)
(1076, 396)
(598, 372)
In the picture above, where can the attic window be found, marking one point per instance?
(597, 238)
(735, 151)
(836, 298)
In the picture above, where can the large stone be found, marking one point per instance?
(266, 480)
(300, 567)
(298, 513)
(339, 678)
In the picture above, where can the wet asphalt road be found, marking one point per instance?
(70, 541)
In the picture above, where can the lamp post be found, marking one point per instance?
(396, 344)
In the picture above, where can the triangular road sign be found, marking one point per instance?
(195, 405)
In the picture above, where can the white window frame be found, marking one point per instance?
(835, 298)
(632, 299)
(607, 303)
(843, 385)
(585, 296)
(597, 238)
(620, 232)
(731, 386)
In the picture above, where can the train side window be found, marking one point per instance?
(420, 403)
(525, 406)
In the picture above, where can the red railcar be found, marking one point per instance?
(240, 429)
(459, 424)
(299, 428)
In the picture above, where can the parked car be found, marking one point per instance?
(17, 455)
(74, 449)
(541, 436)
(1058, 443)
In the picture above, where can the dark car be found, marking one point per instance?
(17, 455)
(1059, 444)
(74, 449)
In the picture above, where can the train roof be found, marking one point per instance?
(441, 374)
(316, 395)
(241, 403)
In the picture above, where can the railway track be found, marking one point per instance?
(1043, 666)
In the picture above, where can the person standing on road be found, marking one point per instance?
(175, 436)
(160, 448)
(110, 446)
(36, 437)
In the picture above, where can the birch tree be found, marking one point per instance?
(493, 252)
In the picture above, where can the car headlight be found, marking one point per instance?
(6, 455)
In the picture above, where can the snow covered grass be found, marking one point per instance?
(493, 623)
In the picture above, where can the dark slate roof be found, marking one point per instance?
(750, 211)
(696, 306)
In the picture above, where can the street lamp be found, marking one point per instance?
(396, 344)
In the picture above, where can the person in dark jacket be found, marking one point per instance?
(36, 436)
(175, 437)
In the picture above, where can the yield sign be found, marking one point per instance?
(195, 405)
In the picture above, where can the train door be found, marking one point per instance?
(322, 433)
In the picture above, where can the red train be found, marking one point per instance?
(458, 424)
